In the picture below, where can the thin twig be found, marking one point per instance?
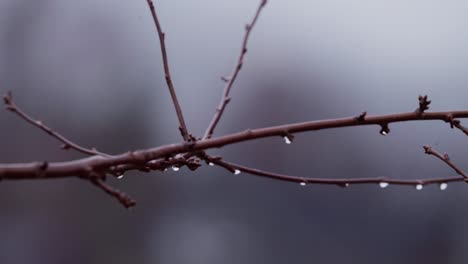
(11, 106)
(339, 182)
(445, 158)
(170, 85)
(122, 197)
(230, 81)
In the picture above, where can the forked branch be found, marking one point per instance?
(225, 99)
(189, 153)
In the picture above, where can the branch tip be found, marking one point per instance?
(361, 117)
(423, 104)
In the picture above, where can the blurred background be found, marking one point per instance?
(92, 70)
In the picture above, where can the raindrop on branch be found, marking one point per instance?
(211, 164)
(175, 168)
(287, 140)
(302, 184)
(419, 187)
(383, 185)
(443, 186)
(120, 176)
(236, 171)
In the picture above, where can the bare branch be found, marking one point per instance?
(170, 85)
(122, 197)
(67, 144)
(445, 158)
(138, 159)
(232, 167)
(230, 81)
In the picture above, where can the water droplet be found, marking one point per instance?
(346, 184)
(383, 185)
(419, 187)
(383, 132)
(443, 186)
(175, 168)
(236, 171)
(165, 169)
(302, 184)
(120, 176)
(211, 164)
(287, 140)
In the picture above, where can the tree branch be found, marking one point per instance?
(67, 144)
(139, 159)
(230, 81)
(170, 85)
(96, 167)
(232, 167)
(445, 158)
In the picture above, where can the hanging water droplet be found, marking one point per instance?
(165, 169)
(419, 187)
(120, 176)
(383, 132)
(287, 140)
(346, 184)
(302, 184)
(211, 164)
(175, 168)
(383, 185)
(443, 186)
(236, 171)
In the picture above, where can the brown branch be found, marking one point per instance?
(445, 158)
(230, 81)
(170, 85)
(183, 154)
(457, 124)
(67, 144)
(122, 197)
(232, 167)
(138, 158)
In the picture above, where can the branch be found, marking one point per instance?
(382, 181)
(182, 154)
(445, 158)
(138, 159)
(67, 144)
(161, 34)
(230, 81)
(123, 198)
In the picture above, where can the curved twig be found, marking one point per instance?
(230, 81)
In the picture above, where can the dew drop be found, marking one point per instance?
(175, 168)
(211, 164)
(120, 176)
(443, 186)
(419, 187)
(383, 185)
(236, 171)
(346, 184)
(383, 132)
(287, 140)
(302, 184)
